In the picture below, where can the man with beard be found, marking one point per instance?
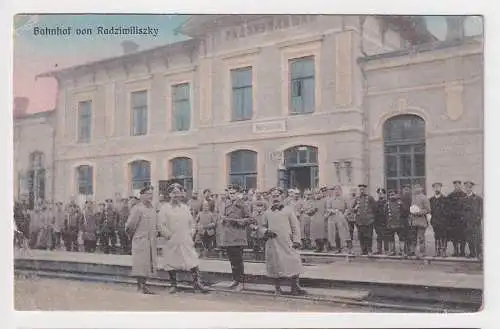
(381, 222)
(108, 228)
(178, 227)
(365, 208)
(123, 213)
(473, 215)
(235, 218)
(141, 228)
(439, 221)
(280, 227)
(456, 216)
(89, 227)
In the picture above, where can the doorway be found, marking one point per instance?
(301, 163)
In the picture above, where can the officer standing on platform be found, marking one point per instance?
(235, 218)
(108, 228)
(123, 213)
(439, 220)
(473, 215)
(365, 207)
(457, 222)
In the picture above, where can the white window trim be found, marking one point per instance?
(131, 86)
(300, 50)
(173, 79)
(79, 97)
(239, 61)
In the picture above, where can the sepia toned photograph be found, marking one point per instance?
(248, 163)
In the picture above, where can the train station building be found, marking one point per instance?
(302, 100)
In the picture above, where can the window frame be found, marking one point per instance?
(89, 186)
(243, 175)
(244, 116)
(137, 184)
(80, 137)
(301, 79)
(175, 102)
(144, 112)
(187, 179)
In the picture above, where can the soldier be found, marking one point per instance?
(235, 219)
(36, 224)
(418, 222)
(394, 208)
(194, 204)
(108, 227)
(305, 214)
(280, 227)
(319, 222)
(365, 207)
(44, 240)
(336, 207)
(350, 215)
(72, 227)
(58, 225)
(380, 223)
(141, 227)
(89, 227)
(406, 199)
(22, 222)
(290, 197)
(456, 216)
(439, 220)
(123, 213)
(205, 229)
(473, 215)
(208, 198)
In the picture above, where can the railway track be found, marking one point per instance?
(368, 298)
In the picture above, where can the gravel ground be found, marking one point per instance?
(31, 294)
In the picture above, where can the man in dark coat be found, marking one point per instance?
(235, 218)
(439, 220)
(123, 213)
(108, 228)
(89, 227)
(457, 221)
(72, 226)
(473, 215)
(381, 222)
(365, 208)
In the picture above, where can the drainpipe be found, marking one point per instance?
(364, 95)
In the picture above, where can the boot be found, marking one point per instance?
(296, 288)
(197, 285)
(319, 246)
(349, 247)
(437, 247)
(277, 287)
(402, 248)
(173, 282)
(444, 248)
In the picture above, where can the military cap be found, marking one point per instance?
(437, 184)
(380, 189)
(363, 185)
(274, 189)
(468, 182)
(174, 187)
(146, 189)
(457, 182)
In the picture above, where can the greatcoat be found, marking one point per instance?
(282, 260)
(178, 227)
(142, 226)
(319, 221)
(337, 222)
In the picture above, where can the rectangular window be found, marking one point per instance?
(139, 100)
(302, 90)
(181, 107)
(84, 121)
(242, 97)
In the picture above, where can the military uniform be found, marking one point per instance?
(89, 229)
(109, 220)
(125, 242)
(394, 210)
(72, 227)
(473, 215)
(457, 221)
(235, 218)
(439, 222)
(380, 225)
(365, 207)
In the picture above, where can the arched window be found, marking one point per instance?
(243, 168)
(140, 171)
(85, 177)
(404, 150)
(301, 163)
(182, 171)
(36, 177)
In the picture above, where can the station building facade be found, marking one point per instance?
(303, 100)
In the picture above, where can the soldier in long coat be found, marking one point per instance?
(177, 226)
(380, 223)
(45, 234)
(365, 207)
(418, 221)
(234, 219)
(473, 214)
(259, 206)
(59, 217)
(306, 210)
(89, 227)
(319, 222)
(72, 226)
(36, 224)
(394, 208)
(123, 213)
(457, 220)
(109, 221)
(350, 215)
(336, 207)
(281, 229)
(439, 220)
(141, 227)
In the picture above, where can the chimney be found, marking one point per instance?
(20, 106)
(455, 28)
(129, 47)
